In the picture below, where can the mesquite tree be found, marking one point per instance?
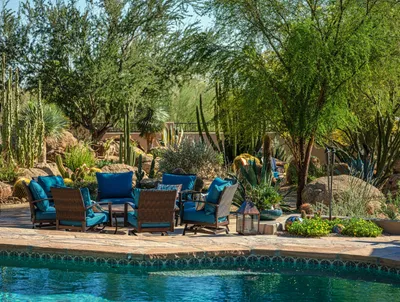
(298, 57)
(97, 59)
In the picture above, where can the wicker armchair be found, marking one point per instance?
(39, 218)
(202, 222)
(71, 212)
(154, 213)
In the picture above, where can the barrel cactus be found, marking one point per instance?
(19, 190)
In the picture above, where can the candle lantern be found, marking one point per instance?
(248, 219)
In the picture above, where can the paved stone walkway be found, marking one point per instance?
(16, 234)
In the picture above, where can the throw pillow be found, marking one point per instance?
(213, 197)
(186, 180)
(114, 185)
(164, 187)
(51, 181)
(37, 194)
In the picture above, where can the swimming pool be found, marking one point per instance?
(44, 280)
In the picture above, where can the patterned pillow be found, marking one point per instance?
(201, 205)
(164, 187)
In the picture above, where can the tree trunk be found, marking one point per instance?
(302, 168)
(97, 134)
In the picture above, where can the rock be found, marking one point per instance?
(317, 191)
(392, 185)
(149, 183)
(58, 146)
(341, 169)
(5, 190)
(39, 170)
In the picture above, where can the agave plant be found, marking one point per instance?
(55, 122)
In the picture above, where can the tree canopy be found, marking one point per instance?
(93, 61)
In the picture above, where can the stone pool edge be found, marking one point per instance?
(184, 257)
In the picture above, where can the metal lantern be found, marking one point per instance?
(248, 219)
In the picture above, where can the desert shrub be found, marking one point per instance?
(315, 227)
(88, 182)
(391, 207)
(8, 171)
(264, 195)
(103, 162)
(193, 157)
(358, 227)
(76, 156)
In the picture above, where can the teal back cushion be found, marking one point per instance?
(114, 185)
(214, 192)
(37, 194)
(136, 197)
(48, 182)
(186, 180)
(87, 201)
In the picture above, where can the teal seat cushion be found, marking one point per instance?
(214, 192)
(191, 214)
(133, 221)
(186, 180)
(114, 185)
(50, 214)
(95, 219)
(136, 197)
(117, 200)
(48, 182)
(37, 194)
(87, 200)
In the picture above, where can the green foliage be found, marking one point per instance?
(264, 196)
(89, 182)
(55, 122)
(193, 157)
(98, 58)
(103, 162)
(77, 156)
(8, 172)
(361, 228)
(315, 227)
(152, 167)
(391, 207)
(139, 172)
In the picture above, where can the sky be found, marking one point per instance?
(205, 21)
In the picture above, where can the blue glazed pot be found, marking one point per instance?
(270, 214)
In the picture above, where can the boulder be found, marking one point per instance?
(58, 146)
(39, 170)
(392, 185)
(341, 169)
(317, 190)
(6, 190)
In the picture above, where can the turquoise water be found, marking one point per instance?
(40, 281)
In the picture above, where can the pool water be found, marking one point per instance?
(41, 281)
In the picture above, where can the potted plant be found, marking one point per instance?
(390, 208)
(258, 186)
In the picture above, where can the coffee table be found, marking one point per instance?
(118, 211)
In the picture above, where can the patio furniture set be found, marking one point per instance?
(172, 202)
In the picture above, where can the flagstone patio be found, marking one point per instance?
(16, 234)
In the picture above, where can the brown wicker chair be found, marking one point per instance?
(39, 218)
(155, 212)
(71, 211)
(210, 223)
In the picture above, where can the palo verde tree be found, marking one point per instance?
(299, 58)
(96, 61)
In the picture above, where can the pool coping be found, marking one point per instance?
(210, 256)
